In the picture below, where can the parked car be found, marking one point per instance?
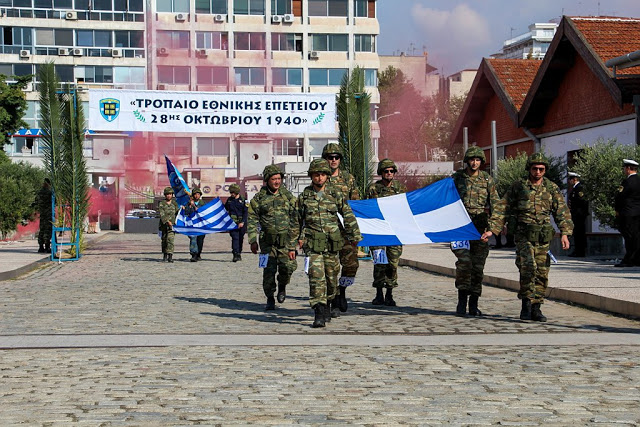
(142, 213)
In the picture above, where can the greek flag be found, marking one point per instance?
(431, 214)
(179, 185)
(211, 218)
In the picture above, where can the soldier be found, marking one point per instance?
(236, 205)
(627, 205)
(386, 275)
(195, 242)
(478, 194)
(579, 207)
(346, 183)
(532, 201)
(44, 208)
(273, 210)
(318, 207)
(168, 210)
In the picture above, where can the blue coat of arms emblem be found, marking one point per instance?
(109, 108)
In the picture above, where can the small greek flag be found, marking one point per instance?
(432, 214)
(211, 218)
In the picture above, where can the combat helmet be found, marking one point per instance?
(234, 188)
(196, 190)
(385, 164)
(168, 190)
(332, 148)
(537, 159)
(319, 165)
(473, 152)
(271, 170)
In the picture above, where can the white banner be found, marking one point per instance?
(211, 112)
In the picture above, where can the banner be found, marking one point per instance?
(211, 112)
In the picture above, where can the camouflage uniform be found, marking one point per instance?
(168, 212)
(46, 227)
(346, 184)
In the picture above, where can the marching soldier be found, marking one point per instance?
(627, 205)
(346, 183)
(168, 209)
(318, 223)
(236, 205)
(386, 275)
(273, 210)
(532, 201)
(579, 207)
(195, 242)
(478, 193)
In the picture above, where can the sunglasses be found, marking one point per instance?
(542, 169)
(334, 157)
(389, 171)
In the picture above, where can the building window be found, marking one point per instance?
(328, 8)
(129, 75)
(288, 147)
(280, 7)
(129, 39)
(249, 41)
(248, 7)
(361, 8)
(315, 147)
(173, 6)
(287, 76)
(250, 76)
(330, 42)
(212, 40)
(173, 75)
(174, 146)
(286, 42)
(364, 43)
(173, 39)
(212, 75)
(211, 6)
(213, 147)
(370, 77)
(93, 38)
(326, 76)
(94, 74)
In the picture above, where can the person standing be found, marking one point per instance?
(532, 201)
(236, 206)
(195, 242)
(168, 210)
(45, 211)
(346, 183)
(579, 207)
(272, 213)
(627, 205)
(386, 275)
(318, 207)
(478, 193)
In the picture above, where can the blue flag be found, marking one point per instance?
(211, 218)
(432, 214)
(180, 187)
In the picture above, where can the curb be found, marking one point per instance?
(597, 302)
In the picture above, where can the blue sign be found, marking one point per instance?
(109, 108)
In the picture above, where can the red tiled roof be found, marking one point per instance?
(610, 37)
(515, 76)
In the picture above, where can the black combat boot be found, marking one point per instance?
(41, 249)
(239, 257)
(335, 308)
(271, 303)
(525, 313)
(379, 299)
(194, 257)
(198, 257)
(235, 257)
(536, 314)
(47, 247)
(164, 257)
(318, 321)
(388, 298)
(342, 298)
(282, 293)
(461, 308)
(169, 257)
(473, 305)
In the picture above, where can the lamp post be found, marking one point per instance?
(395, 113)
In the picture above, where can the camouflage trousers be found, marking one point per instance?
(349, 260)
(533, 261)
(168, 236)
(470, 267)
(44, 234)
(280, 264)
(386, 275)
(323, 277)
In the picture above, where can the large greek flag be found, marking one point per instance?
(431, 214)
(211, 218)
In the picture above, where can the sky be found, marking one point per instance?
(458, 34)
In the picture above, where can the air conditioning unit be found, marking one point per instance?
(116, 53)
(25, 53)
(314, 54)
(276, 19)
(29, 87)
(288, 18)
(181, 17)
(162, 87)
(202, 53)
(78, 52)
(64, 51)
(220, 17)
(71, 16)
(162, 51)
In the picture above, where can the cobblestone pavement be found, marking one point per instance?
(120, 287)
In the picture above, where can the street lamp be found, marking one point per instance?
(395, 113)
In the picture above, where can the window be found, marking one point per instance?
(91, 38)
(280, 7)
(330, 42)
(173, 6)
(288, 147)
(249, 41)
(364, 43)
(250, 76)
(173, 75)
(370, 77)
(286, 42)
(174, 146)
(326, 76)
(211, 6)
(98, 74)
(173, 39)
(248, 7)
(328, 8)
(65, 73)
(287, 76)
(212, 75)
(63, 37)
(212, 40)
(129, 39)
(315, 147)
(128, 75)
(361, 8)
(213, 147)
(44, 37)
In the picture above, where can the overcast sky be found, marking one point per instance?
(458, 34)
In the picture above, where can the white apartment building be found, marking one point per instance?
(533, 44)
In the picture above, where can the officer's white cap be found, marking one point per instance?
(573, 175)
(629, 162)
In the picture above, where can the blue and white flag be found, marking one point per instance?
(181, 191)
(432, 214)
(211, 218)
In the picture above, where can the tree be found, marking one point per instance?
(441, 124)
(600, 169)
(515, 168)
(13, 105)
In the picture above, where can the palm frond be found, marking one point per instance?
(51, 124)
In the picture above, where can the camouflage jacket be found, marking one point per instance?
(532, 205)
(346, 183)
(168, 211)
(273, 213)
(318, 217)
(478, 193)
(378, 189)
